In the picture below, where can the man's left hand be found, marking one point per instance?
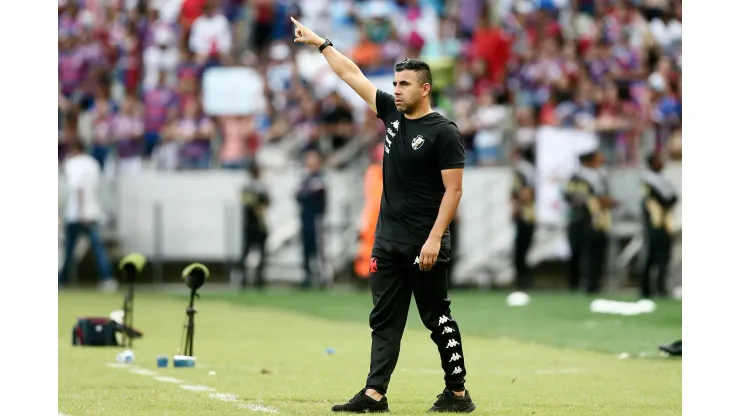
(429, 253)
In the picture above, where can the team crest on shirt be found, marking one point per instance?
(417, 142)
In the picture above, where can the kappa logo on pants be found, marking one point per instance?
(452, 343)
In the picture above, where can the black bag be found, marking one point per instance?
(95, 331)
(101, 332)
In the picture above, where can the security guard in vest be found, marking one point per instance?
(522, 198)
(255, 202)
(590, 204)
(659, 200)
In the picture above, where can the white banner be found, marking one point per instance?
(557, 159)
(233, 91)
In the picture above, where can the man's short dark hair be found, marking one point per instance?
(652, 158)
(418, 66)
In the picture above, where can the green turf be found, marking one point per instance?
(270, 350)
(555, 319)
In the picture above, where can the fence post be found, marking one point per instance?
(158, 240)
(229, 253)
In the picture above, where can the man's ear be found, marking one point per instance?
(427, 88)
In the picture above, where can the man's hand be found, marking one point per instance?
(345, 69)
(429, 253)
(526, 195)
(306, 35)
(607, 202)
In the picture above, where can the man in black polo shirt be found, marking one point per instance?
(422, 186)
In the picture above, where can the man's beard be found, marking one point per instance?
(409, 108)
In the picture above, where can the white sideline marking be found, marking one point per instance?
(169, 380)
(225, 397)
(196, 388)
(143, 372)
(231, 398)
(257, 408)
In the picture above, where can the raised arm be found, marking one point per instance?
(345, 69)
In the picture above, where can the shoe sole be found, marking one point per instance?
(670, 352)
(468, 409)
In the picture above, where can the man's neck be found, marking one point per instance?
(419, 112)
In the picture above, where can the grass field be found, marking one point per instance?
(269, 355)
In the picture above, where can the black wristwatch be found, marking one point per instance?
(326, 43)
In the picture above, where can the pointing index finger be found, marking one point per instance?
(296, 22)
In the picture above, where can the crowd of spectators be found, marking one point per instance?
(131, 71)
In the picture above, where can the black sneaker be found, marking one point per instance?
(674, 349)
(362, 403)
(447, 402)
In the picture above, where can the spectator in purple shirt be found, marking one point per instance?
(523, 80)
(627, 60)
(103, 113)
(70, 22)
(601, 64)
(469, 12)
(157, 103)
(128, 131)
(194, 131)
(71, 67)
(187, 68)
(94, 66)
(575, 110)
